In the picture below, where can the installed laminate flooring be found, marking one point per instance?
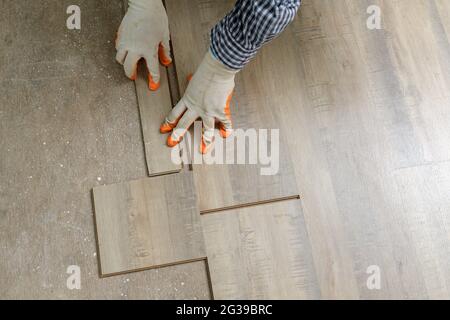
(148, 223)
(220, 186)
(373, 103)
(260, 252)
(370, 112)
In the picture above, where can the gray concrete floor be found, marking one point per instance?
(68, 122)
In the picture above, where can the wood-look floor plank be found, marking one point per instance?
(370, 105)
(148, 223)
(154, 106)
(343, 132)
(362, 103)
(367, 106)
(220, 185)
(310, 98)
(260, 252)
(424, 203)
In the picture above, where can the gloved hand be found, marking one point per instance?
(207, 96)
(144, 33)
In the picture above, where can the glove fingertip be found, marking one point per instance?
(172, 142)
(152, 84)
(164, 56)
(205, 147)
(120, 56)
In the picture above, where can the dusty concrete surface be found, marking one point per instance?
(68, 122)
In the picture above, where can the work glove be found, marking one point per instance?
(144, 33)
(208, 97)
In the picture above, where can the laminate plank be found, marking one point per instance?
(371, 103)
(345, 156)
(363, 104)
(408, 64)
(219, 185)
(154, 106)
(148, 223)
(311, 97)
(424, 204)
(276, 78)
(260, 252)
(409, 71)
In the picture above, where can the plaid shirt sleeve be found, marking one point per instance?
(237, 38)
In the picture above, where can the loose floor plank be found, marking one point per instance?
(154, 106)
(220, 186)
(148, 223)
(261, 252)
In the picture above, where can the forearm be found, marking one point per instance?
(236, 39)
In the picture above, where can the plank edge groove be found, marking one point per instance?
(250, 204)
(108, 275)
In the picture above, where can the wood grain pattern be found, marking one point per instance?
(370, 109)
(424, 203)
(371, 101)
(219, 185)
(367, 107)
(148, 223)
(154, 106)
(261, 252)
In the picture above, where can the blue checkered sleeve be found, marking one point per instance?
(237, 38)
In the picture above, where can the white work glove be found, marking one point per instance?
(207, 96)
(144, 33)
